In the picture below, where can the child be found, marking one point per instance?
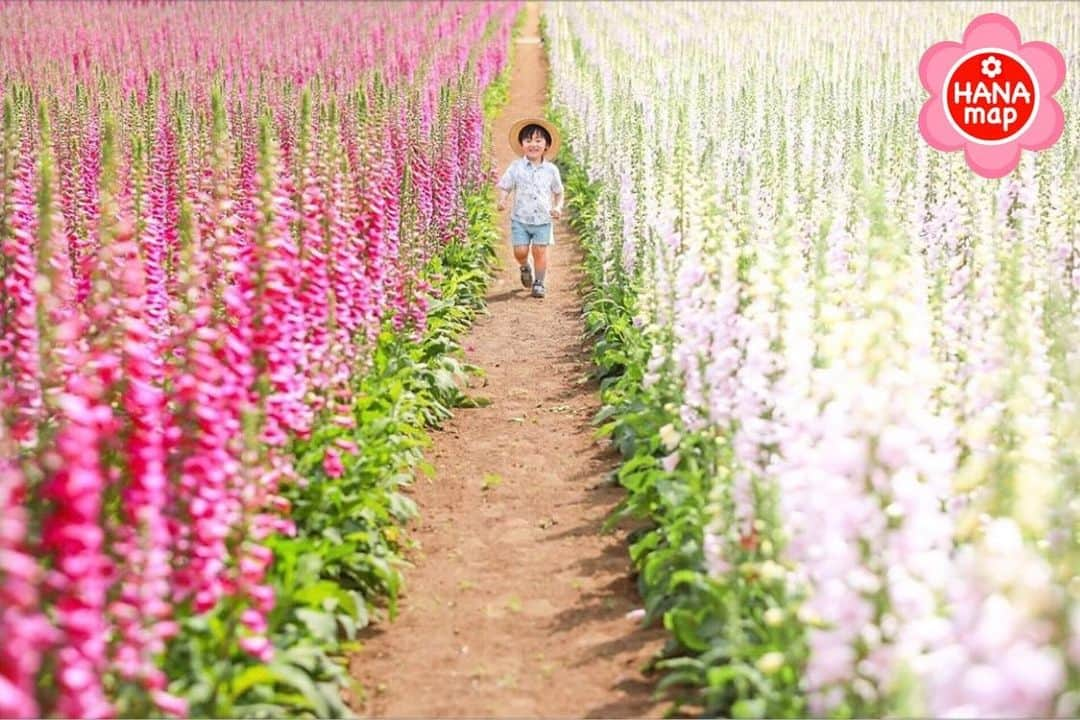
(536, 185)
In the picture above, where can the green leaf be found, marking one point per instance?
(321, 624)
(681, 677)
(608, 411)
(302, 683)
(684, 625)
(250, 677)
(315, 594)
(402, 507)
(261, 710)
(332, 695)
(751, 708)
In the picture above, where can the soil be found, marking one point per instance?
(516, 605)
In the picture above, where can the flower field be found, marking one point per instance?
(239, 243)
(841, 367)
(238, 240)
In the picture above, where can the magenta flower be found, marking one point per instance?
(988, 77)
(170, 704)
(19, 341)
(315, 286)
(71, 533)
(183, 304)
(332, 463)
(258, 647)
(26, 630)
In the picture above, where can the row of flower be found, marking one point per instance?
(237, 242)
(843, 369)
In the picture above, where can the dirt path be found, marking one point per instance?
(516, 605)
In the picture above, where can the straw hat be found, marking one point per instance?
(555, 139)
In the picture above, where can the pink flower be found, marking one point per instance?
(347, 445)
(992, 32)
(170, 704)
(254, 620)
(189, 297)
(80, 581)
(258, 647)
(332, 463)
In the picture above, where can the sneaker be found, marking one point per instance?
(538, 290)
(526, 275)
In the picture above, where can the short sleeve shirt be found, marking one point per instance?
(533, 186)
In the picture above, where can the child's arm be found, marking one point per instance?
(557, 194)
(505, 186)
(556, 209)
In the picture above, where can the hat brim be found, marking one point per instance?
(556, 139)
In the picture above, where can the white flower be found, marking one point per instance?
(991, 67)
(770, 662)
(670, 437)
(772, 571)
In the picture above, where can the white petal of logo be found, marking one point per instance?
(991, 67)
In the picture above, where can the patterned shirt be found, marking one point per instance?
(533, 186)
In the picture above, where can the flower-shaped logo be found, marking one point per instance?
(991, 67)
(991, 95)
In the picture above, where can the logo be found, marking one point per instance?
(991, 96)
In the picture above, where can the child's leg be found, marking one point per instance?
(540, 261)
(519, 238)
(521, 253)
(541, 240)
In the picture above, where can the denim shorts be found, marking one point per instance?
(524, 234)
